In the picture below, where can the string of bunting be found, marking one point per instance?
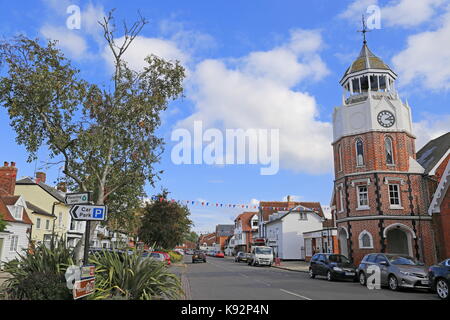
(217, 205)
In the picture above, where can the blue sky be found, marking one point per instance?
(253, 64)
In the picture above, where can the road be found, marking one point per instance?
(223, 279)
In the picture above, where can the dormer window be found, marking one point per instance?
(17, 212)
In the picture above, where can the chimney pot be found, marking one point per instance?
(13, 164)
(40, 177)
(5, 164)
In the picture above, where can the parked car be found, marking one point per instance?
(396, 271)
(189, 251)
(166, 257)
(198, 256)
(154, 256)
(261, 255)
(439, 276)
(241, 256)
(180, 251)
(332, 266)
(219, 254)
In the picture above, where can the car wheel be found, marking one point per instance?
(393, 283)
(362, 279)
(311, 274)
(329, 276)
(442, 289)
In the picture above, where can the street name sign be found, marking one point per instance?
(89, 212)
(77, 198)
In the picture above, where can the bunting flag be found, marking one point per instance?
(218, 204)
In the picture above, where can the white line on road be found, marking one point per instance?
(294, 294)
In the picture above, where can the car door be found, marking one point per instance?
(321, 265)
(313, 263)
(383, 268)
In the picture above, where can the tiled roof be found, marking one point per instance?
(268, 205)
(224, 230)
(37, 210)
(58, 195)
(246, 217)
(10, 201)
(433, 151)
(366, 60)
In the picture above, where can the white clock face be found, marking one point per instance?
(386, 119)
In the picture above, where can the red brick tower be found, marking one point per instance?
(379, 189)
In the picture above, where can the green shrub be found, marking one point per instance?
(175, 256)
(130, 276)
(39, 274)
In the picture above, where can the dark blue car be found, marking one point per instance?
(439, 276)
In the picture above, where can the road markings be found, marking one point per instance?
(295, 294)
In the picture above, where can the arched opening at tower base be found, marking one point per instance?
(343, 244)
(399, 241)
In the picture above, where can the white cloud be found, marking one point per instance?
(71, 42)
(431, 127)
(143, 47)
(75, 42)
(402, 13)
(409, 13)
(256, 91)
(426, 58)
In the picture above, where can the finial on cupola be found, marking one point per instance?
(364, 29)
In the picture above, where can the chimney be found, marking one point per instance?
(40, 177)
(62, 186)
(288, 199)
(8, 176)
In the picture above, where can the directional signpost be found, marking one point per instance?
(77, 198)
(87, 212)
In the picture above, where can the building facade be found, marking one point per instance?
(285, 231)
(379, 188)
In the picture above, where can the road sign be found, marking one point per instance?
(83, 288)
(77, 198)
(89, 212)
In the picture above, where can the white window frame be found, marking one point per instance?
(361, 244)
(38, 223)
(358, 196)
(60, 220)
(341, 200)
(47, 224)
(14, 243)
(391, 142)
(399, 205)
(18, 213)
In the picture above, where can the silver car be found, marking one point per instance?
(396, 271)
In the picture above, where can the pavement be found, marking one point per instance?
(224, 279)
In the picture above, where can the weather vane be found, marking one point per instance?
(364, 29)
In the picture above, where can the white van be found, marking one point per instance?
(261, 255)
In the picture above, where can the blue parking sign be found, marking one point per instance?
(98, 213)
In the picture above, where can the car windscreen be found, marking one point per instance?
(399, 260)
(263, 251)
(338, 259)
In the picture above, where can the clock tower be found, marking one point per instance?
(379, 189)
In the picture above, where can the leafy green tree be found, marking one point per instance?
(165, 223)
(191, 236)
(104, 136)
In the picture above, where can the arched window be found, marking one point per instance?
(365, 240)
(389, 150)
(359, 152)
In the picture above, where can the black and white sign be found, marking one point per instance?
(77, 198)
(89, 212)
